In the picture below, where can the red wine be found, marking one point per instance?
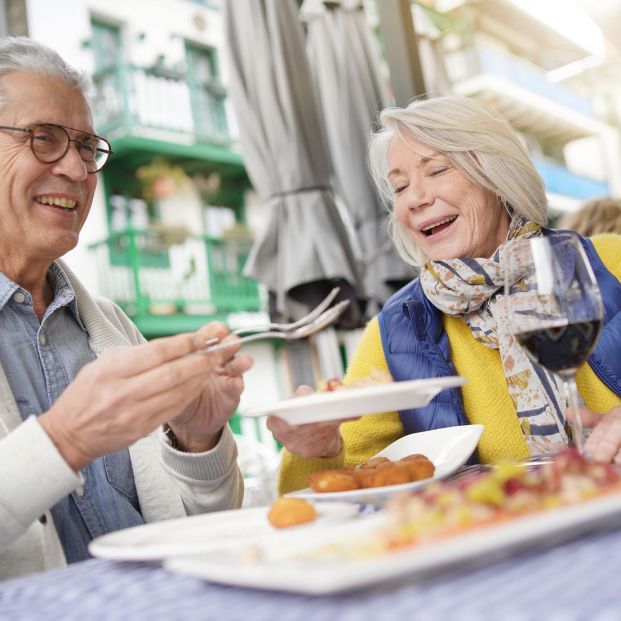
(561, 348)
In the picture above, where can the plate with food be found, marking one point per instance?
(336, 401)
(220, 530)
(408, 463)
(478, 519)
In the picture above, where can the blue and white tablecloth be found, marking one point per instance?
(580, 580)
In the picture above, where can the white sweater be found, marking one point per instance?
(34, 476)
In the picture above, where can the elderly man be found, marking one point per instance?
(74, 394)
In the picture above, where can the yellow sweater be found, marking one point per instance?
(484, 403)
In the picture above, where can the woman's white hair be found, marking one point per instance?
(476, 140)
(24, 54)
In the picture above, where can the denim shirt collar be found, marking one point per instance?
(64, 295)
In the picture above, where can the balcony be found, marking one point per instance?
(172, 287)
(158, 110)
(522, 93)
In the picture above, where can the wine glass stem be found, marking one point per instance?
(571, 391)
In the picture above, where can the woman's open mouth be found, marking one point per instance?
(438, 226)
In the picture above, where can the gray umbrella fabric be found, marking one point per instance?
(345, 63)
(305, 246)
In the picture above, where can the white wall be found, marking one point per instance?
(65, 25)
(262, 383)
(81, 261)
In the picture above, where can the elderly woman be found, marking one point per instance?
(462, 189)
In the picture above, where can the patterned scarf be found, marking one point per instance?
(468, 288)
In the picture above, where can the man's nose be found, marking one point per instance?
(71, 165)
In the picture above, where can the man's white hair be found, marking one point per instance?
(24, 54)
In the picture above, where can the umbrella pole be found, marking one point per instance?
(401, 48)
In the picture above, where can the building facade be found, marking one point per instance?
(514, 60)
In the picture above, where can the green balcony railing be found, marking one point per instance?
(146, 274)
(131, 99)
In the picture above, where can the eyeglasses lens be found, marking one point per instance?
(50, 143)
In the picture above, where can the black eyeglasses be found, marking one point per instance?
(49, 143)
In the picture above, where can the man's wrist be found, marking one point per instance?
(66, 446)
(187, 443)
(171, 437)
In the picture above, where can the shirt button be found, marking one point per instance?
(42, 339)
(19, 297)
(80, 491)
(43, 519)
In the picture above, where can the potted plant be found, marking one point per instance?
(160, 178)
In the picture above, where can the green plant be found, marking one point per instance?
(160, 178)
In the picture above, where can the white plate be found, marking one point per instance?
(448, 449)
(350, 402)
(204, 533)
(279, 567)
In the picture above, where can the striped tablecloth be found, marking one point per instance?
(580, 580)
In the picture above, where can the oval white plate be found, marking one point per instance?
(205, 533)
(350, 402)
(447, 448)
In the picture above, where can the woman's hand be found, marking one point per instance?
(321, 439)
(604, 442)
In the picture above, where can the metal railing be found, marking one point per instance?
(130, 98)
(143, 273)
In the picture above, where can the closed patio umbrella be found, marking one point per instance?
(345, 63)
(305, 247)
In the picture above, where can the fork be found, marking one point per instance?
(289, 327)
(326, 318)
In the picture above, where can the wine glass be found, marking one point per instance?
(555, 310)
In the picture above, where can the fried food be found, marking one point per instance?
(288, 511)
(384, 474)
(417, 466)
(374, 462)
(378, 471)
(374, 378)
(329, 385)
(341, 480)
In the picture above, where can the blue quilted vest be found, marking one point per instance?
(416, 346)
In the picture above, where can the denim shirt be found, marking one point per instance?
(40, 359)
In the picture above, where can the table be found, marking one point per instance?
(579, 580)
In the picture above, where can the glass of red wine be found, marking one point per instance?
(555, 310)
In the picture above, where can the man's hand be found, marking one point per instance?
(129, 392)
(198, 428)
(604, 442)
(321, 439)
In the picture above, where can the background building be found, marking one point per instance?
(547, 67)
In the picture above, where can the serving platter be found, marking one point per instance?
(344, 557)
